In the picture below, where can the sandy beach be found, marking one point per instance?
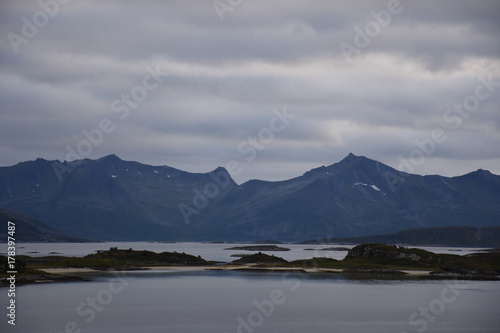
(67, 270)
(228, 267)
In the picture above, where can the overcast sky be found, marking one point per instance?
(341, 78)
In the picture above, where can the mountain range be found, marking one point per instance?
(113, 199)
(444, 236)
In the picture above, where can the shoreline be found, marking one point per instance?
(67, 270)
(413, 273)
(65, 274)
(366, 261)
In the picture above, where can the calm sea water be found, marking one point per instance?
(218, 302)
(205, 250)
(243, 302)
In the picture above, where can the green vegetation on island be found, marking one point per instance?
(31, 269)
(261, 259)
(115, 259)
(369, 258)
(27, 274)
(391, 259)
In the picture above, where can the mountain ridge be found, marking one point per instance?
(29, 230)
(112, 199)
(444, 236)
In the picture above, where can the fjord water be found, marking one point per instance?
(242, 302)
(186, 301)
(208, 251)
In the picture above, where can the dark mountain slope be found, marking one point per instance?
(112, 199)
(444, 236)
(106, 199)
(356, 196)
(29, 230)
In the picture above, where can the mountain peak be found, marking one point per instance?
(484, 172)
(111, 157)
(219, 169)
(113, 199)
(108, 159)
(350, 160)
(352, 157)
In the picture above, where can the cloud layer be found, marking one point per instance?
(178, 86)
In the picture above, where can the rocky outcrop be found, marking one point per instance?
(385, 252)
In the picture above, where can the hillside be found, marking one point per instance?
(355, 197)
(445, 236)
(106, 199)
(112, 199)
(29, 230)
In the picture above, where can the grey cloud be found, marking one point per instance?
(225, 78)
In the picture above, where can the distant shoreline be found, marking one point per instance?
(369, 260)
(227, 268)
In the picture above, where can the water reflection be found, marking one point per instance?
(223, 301)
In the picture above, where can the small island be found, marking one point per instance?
(338, 248)
(376, 259)
(367, 259)
(259, 248)
(58, 268)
